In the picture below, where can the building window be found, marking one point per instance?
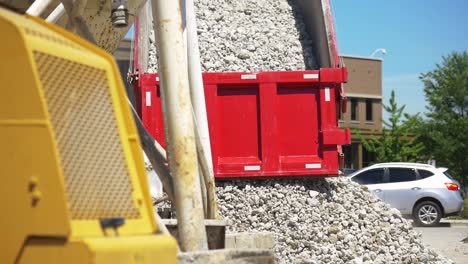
(347, 151)
(369, 115)
(354, 109)
(368, 158)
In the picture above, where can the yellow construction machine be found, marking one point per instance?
(74, 187)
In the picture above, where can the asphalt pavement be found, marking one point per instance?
(446, 239)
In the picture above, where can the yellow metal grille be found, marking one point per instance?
(91, 155)
(48, 36)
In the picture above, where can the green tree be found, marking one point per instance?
(397, 142)
(445, 132)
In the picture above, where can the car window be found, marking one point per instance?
(356, 172)
(448, 175)
(349, 172)
(374, 176)
(401, 175)
(425, 173)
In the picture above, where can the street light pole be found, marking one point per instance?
(383, 51)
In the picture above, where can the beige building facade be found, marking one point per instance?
(364, 107)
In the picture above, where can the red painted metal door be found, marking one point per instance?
(237, 125)
(266, 124)
(298, 126)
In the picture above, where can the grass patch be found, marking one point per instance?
(463, 214)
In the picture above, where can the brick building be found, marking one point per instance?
(364, 107)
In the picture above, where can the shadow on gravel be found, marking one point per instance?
(304, 37)
(439, 225)
(320, 185)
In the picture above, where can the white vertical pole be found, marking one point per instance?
(181, 145)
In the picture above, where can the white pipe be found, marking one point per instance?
(199, 108)
(56, 14)
(178, 120)
(196, 83)
(211, 203)
(38, 7)
(154, 182)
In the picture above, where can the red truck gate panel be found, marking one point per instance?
(148, 103)
(264, 124)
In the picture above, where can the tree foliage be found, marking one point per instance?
(397, 143)
(445, 131)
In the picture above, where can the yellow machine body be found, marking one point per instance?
(73, 185)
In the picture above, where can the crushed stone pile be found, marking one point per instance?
(314, 220)
(249, 36)
(255, 35)
(322, 221)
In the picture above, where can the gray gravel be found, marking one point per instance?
(250, 36)
(315, 220)
(323, 221)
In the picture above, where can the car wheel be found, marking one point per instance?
(427, 213)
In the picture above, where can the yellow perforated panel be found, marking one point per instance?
(51, 36)
(91, 155)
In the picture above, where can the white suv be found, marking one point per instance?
(423, 191)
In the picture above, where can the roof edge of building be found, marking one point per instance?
(360, 57)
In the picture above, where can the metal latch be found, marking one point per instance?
(112, 222)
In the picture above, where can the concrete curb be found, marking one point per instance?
(247, 240)
(453, 222)
(445, 223)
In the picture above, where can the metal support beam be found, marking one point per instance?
(180, 139)
(38, 7)
(58, 12)
(156, 158)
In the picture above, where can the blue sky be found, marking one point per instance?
(416, 34)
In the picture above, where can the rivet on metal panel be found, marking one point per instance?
(33, 189)
(36, 195)
(138, 202)
(32, 183)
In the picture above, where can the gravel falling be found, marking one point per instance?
(255, 35)
(322, 221)
(250, 36)
(314, 220)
